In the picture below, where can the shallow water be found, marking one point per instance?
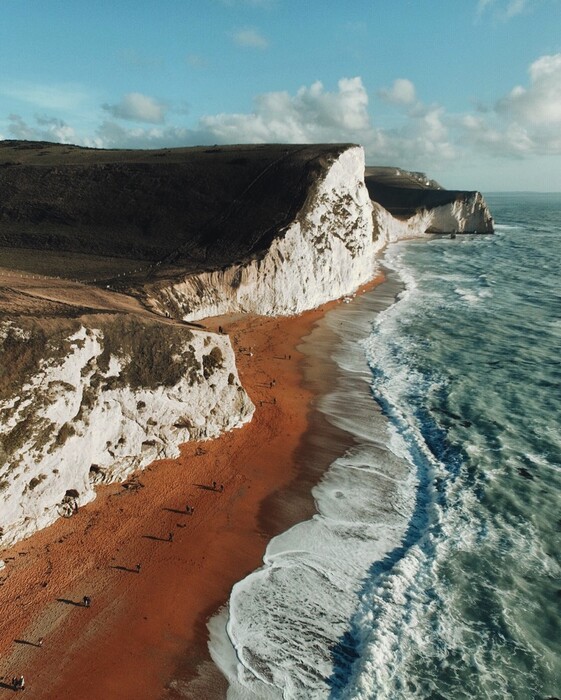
(433, 567)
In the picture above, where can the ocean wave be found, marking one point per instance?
(432, 568)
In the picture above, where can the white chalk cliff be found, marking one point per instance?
(327, 252)
(468, 214)
(75, 423)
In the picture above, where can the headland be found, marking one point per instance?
(150, 303)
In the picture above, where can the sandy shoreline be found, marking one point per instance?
(145, 634)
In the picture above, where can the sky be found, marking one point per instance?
(468, 91)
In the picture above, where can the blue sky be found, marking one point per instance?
(468, 91)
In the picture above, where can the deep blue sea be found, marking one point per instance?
(433, 567)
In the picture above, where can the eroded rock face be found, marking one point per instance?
(467, 214)
(90, 416)
(327, 252)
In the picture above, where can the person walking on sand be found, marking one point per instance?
(221, 488)
(170, 537)
(86, 601)
(138, 568)
(214, 485)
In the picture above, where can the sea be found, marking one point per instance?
(432, 568)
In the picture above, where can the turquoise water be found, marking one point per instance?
(432, 569)
(467, 367)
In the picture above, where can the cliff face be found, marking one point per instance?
(271, 230)
(468, 213)
(414, 197)
(327, 252)
(91, 413)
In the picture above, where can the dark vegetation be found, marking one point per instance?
(153, 355)
(189, 208)
(23, 348)
(213, 361)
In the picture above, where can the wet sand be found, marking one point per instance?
(145, 634)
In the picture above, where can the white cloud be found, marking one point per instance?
(45, 129)
(250, 38)
(139, 108)
(56, 97)
(540, 103)
(504, 9)
(112, 135)
(525, 122)
(402, 92)
(313, 114)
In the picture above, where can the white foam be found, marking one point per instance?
(286, 618)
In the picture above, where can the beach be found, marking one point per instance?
(144, 634)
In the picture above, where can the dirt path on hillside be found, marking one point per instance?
(22, 293)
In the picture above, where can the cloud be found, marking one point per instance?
(45, 129)
(313, 114)
(503, 9)
(56, 97)
(317, 115)
(525, 122)
(250, 38)
(402, 92)
(113, 135)
(540, 103)
(139, 108)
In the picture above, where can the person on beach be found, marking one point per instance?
(18, 683)
(189, 509)
(86, 601)
(170, 537)
(40, 642)
(214, 485)
(221, 488)
(138, 568)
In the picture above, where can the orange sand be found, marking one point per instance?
(145, 629)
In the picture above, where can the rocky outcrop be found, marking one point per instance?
(93, 413)
(467, 213)
(413, 197)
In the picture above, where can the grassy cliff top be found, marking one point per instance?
(200, 207)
